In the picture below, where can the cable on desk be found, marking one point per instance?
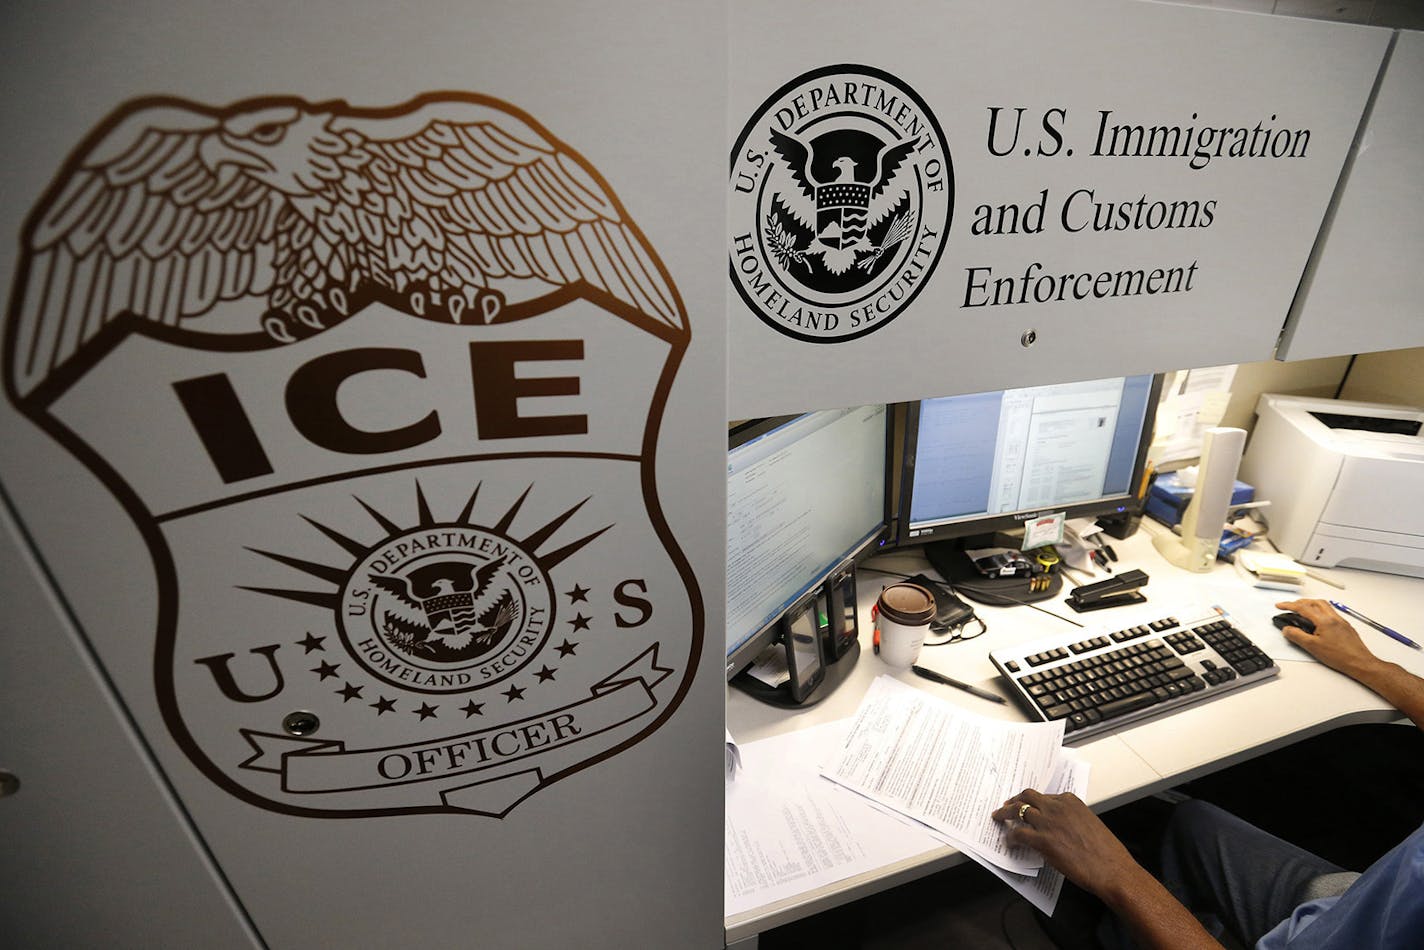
(1023, 603)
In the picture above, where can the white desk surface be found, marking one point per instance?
(1136, 760)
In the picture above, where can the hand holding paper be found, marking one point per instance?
(1071, 839)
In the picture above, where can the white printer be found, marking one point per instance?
(1345, 481)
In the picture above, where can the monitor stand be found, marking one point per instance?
(949, 559)
(780, 696)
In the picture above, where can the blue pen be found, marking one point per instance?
(1393, 634)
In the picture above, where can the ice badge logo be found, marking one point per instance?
(841, 193)
(407, 545)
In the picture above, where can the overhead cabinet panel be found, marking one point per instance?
(976, 195)
(1364, 291)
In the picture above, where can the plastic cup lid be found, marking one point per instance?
(909, 604)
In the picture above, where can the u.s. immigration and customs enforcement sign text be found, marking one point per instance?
(381, 390)
(841, 191)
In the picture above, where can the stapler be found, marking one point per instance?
(1116, 591)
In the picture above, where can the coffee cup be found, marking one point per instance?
(904, 615)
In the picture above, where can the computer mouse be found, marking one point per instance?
(1290, 619)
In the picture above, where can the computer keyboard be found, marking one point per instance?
(1099, 682)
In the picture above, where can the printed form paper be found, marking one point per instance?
(936, 763)
(789, 831)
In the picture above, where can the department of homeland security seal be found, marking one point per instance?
(443, 607)
(841, 195)
(381, 390)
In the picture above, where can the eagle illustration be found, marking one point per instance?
(451, 207)
(842, 212)
(447, 610)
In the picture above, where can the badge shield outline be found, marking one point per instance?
(35, 398)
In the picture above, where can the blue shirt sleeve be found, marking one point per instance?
(1383, 909)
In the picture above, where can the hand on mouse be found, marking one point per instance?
(1335, 642)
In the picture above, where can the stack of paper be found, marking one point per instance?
(789, 831)
(1271, 570)
(936, 764)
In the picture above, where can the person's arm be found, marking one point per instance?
(1076, 842)
(1338, 645)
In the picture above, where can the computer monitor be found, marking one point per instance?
(983, 462)
(805, 494)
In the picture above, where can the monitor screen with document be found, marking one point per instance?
(805, 494)
(982, 462)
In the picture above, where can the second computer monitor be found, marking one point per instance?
(982, 462)
(805, 494)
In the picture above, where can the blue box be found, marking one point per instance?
(1167, 500)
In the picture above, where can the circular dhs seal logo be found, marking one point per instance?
(841, 194)
(446, 609)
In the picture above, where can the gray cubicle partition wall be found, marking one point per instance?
(1364, 290)
(364, 373)
(98, 850)
(958, 197)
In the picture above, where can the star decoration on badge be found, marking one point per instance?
(310, 643)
